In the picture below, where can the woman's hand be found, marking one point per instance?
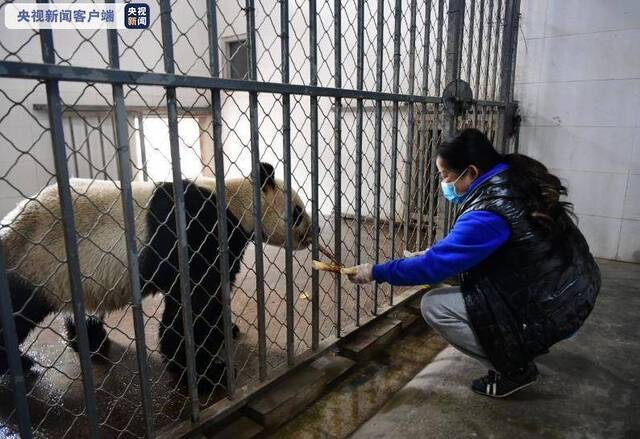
(364, 274)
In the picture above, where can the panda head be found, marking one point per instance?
(274, 209)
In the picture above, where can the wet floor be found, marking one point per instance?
(341, 411)
(55, 391)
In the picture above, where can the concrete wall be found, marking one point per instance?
(578, 83)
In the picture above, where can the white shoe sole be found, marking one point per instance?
(506, 394)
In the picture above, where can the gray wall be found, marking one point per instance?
(578, 83)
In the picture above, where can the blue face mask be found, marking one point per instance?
(449, 189)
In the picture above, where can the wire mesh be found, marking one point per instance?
(269, 331)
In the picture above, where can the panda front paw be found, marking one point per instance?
(99, 343)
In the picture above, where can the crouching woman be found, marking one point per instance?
(527, 278)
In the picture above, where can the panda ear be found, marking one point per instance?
(267, 176)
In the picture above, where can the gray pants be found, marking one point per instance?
(445, 311)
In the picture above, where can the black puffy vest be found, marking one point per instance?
(530, 293)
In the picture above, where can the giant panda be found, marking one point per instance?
(34, 248)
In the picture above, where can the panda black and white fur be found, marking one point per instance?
(33, 243)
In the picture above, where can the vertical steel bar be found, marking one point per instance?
(411, 115)
(378, 145)
(143, 148)
(69, 229)
(496, 47)
(337, 126)
(286, 147)
(428, 142)
(124, 175)
(11, 350)
(255, 173)
(434, 192)
(74, 152)
(313, 100)
(491, 79)
(472, 19)
(476, 88)
(394, 129)
(507, 68)
(86, 136)
(180, 213)
(359, 111)
(438, 85)
(408, 159)
(450, 69)
(455, 29)
(102, 152)
(419, 209)
(221, 206)
(437, 126)
(489, 35)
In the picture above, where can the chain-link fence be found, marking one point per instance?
(118, 144)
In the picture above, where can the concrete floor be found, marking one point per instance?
(55, 388)
(589, 386)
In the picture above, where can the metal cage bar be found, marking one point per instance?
(394, 123)
(485, 85)
(103, 155)
(86, 136)
(478, 61)
(472, 18)
(496, 48)
(124, 174)
(255, 172)
(180, 213)
(74, 151)
(422, 144)
(221, 203)
(13, 69)
(436, 111)
(313, 102)
(455, 29)
(359, 116)
(70, 237)
(337, 35)
(410, 117)
(286, 148)
(143, 148)
(378, 145)
(429, 143)
(507, 67)
(409, 147)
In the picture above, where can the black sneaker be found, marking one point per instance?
(499, 385)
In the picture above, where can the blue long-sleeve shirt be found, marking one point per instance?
(474, 237)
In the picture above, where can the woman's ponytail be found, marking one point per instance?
(542, 191)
